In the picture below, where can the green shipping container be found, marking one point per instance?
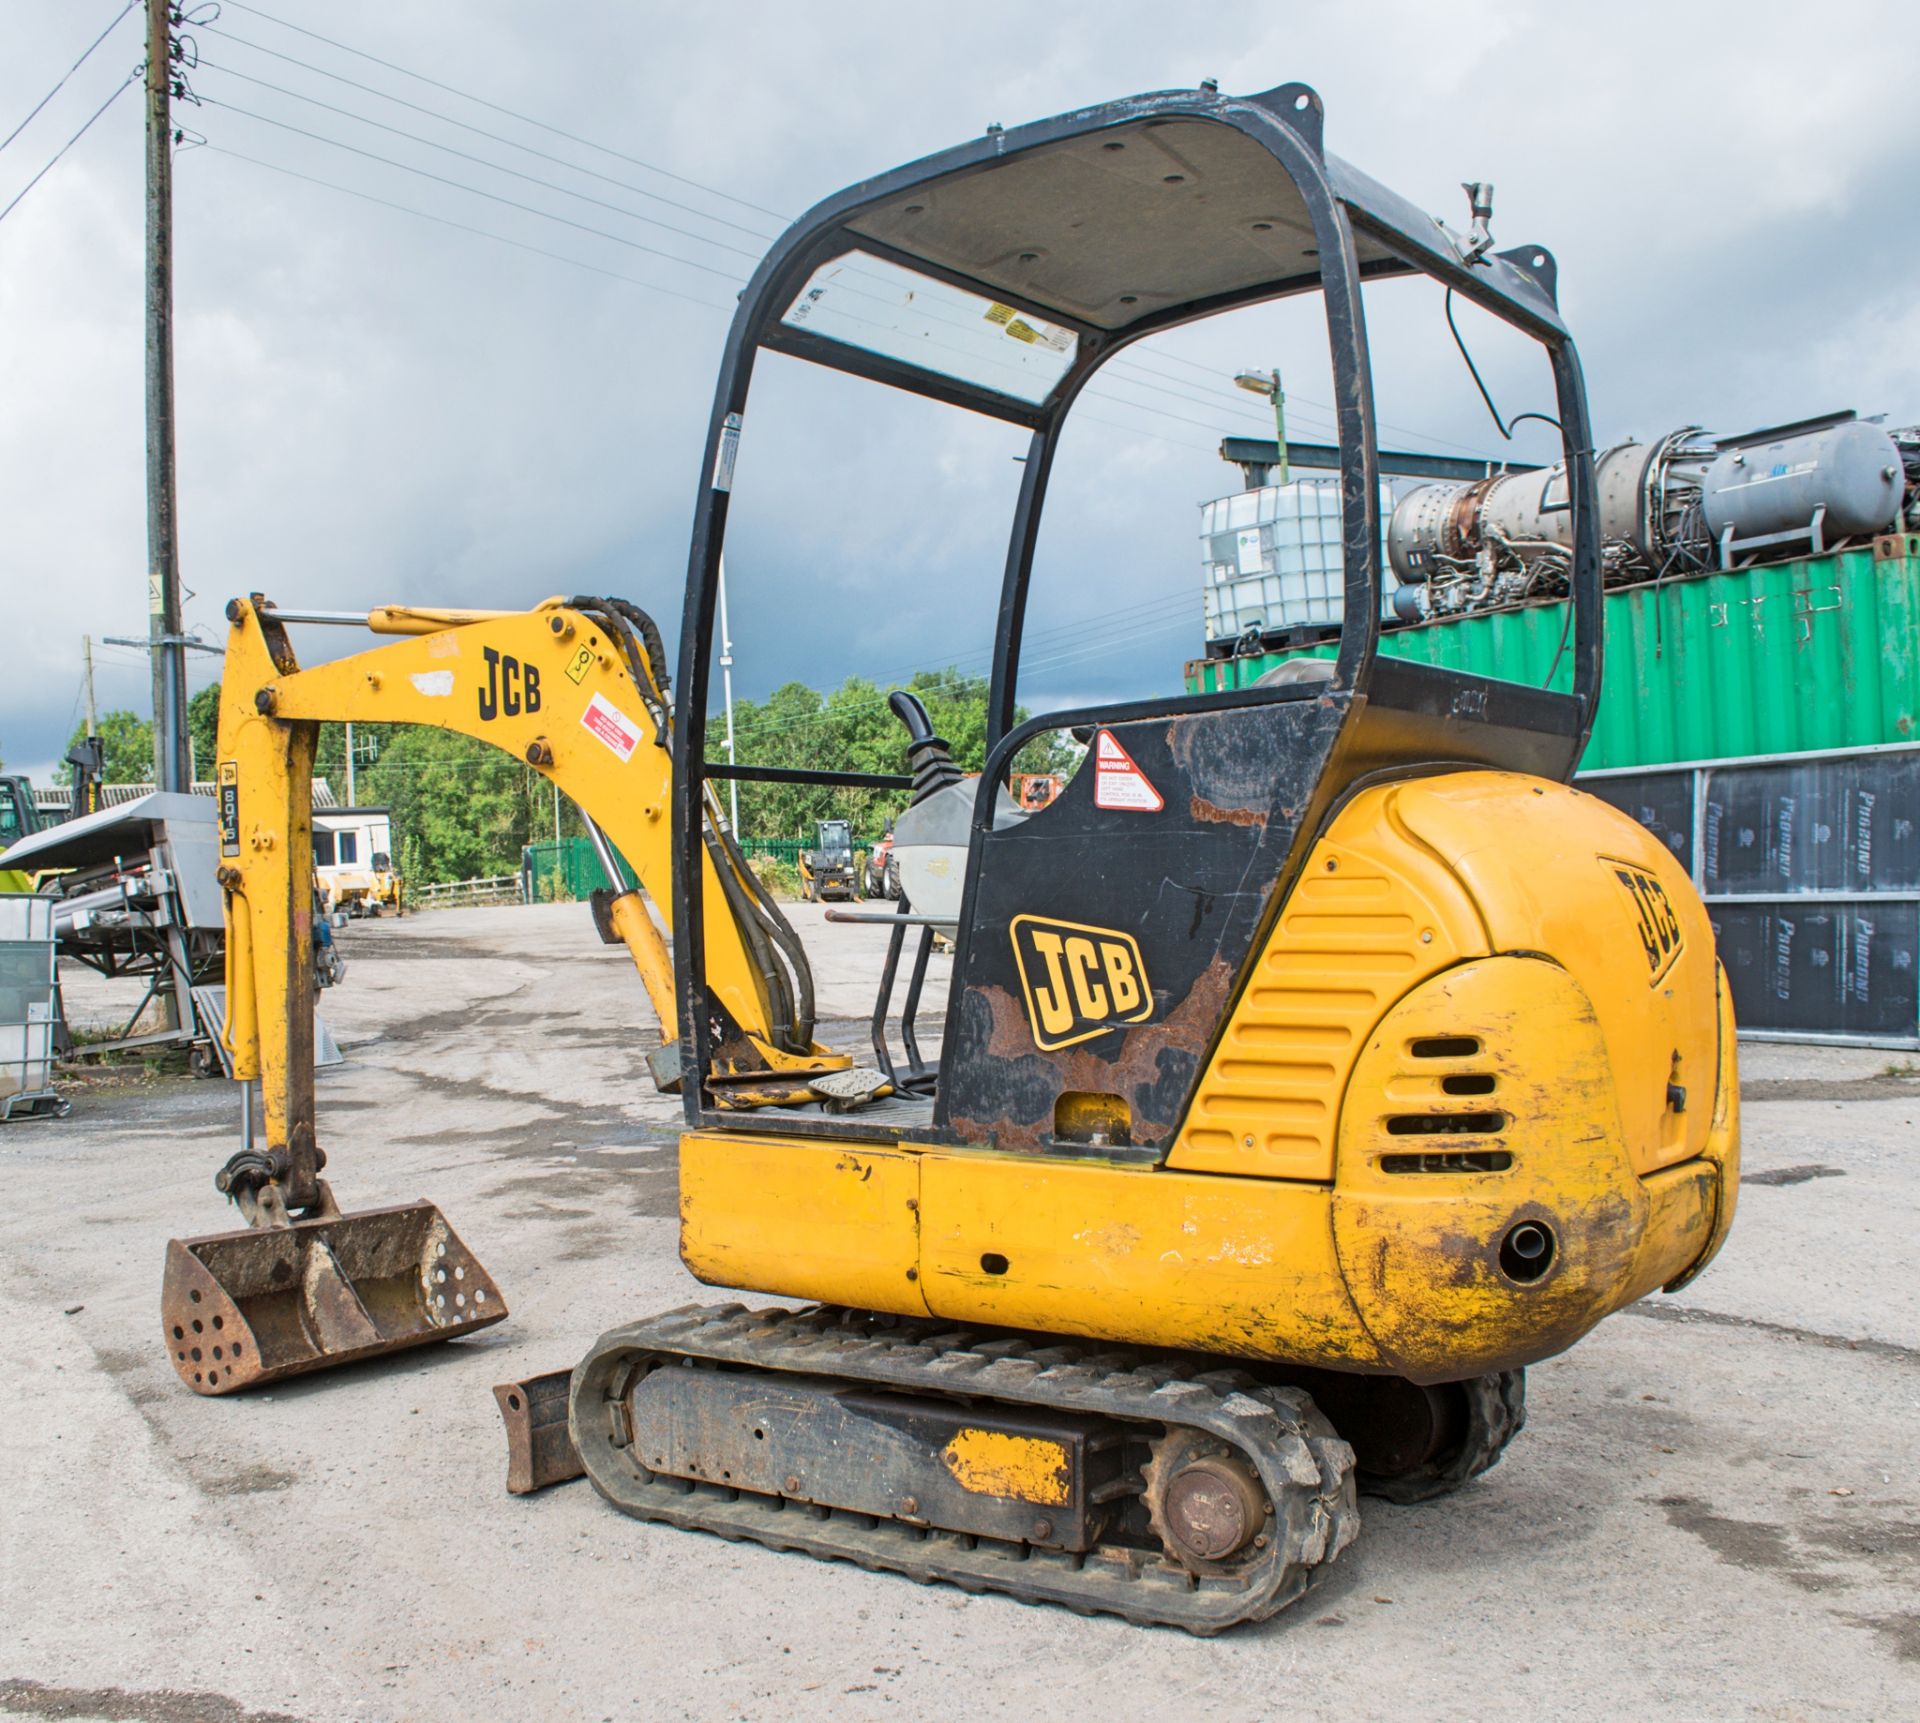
(1820, 652)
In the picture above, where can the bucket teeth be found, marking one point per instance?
(255, 1305)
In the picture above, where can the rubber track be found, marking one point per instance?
(1305, 1468)
(1496, 1413)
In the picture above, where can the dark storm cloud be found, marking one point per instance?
(374, 407)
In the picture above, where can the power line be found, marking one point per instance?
(1121, 372)
(77, 136)
(458, 185)
(1198, 366)
(1217, 396)
(463, 227)
(57, 88)
(1325, 407)
(1117, 400)
(481, 161)
(524, 119)
(651, 286)
(481, 131)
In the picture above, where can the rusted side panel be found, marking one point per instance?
(1184, 867)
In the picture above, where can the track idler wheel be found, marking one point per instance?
(1481, 1417)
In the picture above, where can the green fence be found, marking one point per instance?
(774, 849)
(565, 871)
(788, 849)
(568, 870)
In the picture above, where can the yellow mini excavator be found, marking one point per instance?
(1314, 1062)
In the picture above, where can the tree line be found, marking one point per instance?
(852, 729)
(461, 809)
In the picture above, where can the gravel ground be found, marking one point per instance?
(1713, 1511)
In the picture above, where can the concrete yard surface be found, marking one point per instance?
(1714, 1511)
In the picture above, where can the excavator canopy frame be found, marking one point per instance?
(1078, 236)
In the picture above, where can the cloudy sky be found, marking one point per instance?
(508, 400)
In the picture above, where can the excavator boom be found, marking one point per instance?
(575, 689)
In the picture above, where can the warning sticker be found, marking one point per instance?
(1035, 333)
(606, 721)
(1118, 782)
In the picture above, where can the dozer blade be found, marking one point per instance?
(540, 1450)
(252, 1306)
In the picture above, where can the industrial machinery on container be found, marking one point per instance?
(1279, 1119)
(1688, 503)
(1684, 504)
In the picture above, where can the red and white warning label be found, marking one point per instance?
(1118, 782)
(606, 721)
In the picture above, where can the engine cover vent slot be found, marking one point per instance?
(1445, 1047)
(1449, 1161)
(1468, 1083)
(1446, 1124)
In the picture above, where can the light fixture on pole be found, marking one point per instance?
(1267, 383)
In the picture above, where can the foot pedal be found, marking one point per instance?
(844, 1091)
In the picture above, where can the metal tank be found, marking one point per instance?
(1843, 481)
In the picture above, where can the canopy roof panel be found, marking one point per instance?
(1114, 225)
(1105, 223)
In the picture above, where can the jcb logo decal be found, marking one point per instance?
(512, 687)
(1659, 927)
(1079, 981)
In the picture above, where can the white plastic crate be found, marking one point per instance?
(26, 1059)
(26, 1004)
(25, 915)
(1274, 559)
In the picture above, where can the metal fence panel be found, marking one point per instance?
(1809, 865)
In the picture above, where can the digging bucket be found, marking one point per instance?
(242, 1308)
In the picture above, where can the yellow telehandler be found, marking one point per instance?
(1313, 1062)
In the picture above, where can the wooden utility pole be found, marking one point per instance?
(164, 625)
(86, 647)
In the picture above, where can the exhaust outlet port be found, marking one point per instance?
(1526, 1253)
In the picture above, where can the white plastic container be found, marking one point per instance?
(26, 1005)
(1273, 558)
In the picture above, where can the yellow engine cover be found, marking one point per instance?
(1489, 1013)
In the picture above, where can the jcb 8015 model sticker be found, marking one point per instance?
(229, 807)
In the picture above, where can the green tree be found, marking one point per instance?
(203, 730)
(460, 809)
(853, 729)
(129, 749)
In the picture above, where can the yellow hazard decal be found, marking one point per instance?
(1655, 922)
(1079, 981)
(579, 664)
(1024, 1468)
